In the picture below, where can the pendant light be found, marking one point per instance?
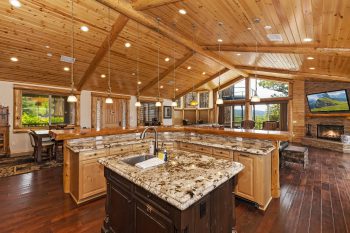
(193, 102)
(158, 103)
(174, 103)
(255, 98)
(72, 98)
(219, 100)
(109, 100)
(138, 103)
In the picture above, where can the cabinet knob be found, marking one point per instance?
(149, 209)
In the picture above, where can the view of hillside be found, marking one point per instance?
(328, 102)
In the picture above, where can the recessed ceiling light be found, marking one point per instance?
(176, 89)
(167, 59)
(249, 28)
(47, 46)
(49, 54)
(307, 39)
(182, 11)
(161, 86)
(312, 68)
(139, 82)
(310, 58)
(127, 44)
(66, 68)
(189, 67)
(267, 27)
(133, 74)
(84, 28)
(238, 54)
(15, 3)
(103, 75)
(219, 40)
(14, 59)
(203, 73)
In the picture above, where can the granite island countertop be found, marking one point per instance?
(183, 180)
(253, 146)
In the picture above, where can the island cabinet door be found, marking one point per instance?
(92, 180)
(149, 219)
(245, 181)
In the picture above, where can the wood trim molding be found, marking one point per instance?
(113, 35)
(167, 71)
(316, 115)
(44, 89)
(141, 5)
(149, 22)
(104, 95)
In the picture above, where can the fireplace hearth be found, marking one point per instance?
(330, 132)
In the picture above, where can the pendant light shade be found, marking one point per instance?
(72, 99)
(255, 99)
(219, 101)
(174, 104)
(158, 104)
(194, 102)
(138, 103)
(109, 100)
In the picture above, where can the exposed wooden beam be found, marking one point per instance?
(229, 83)
(141, 5)
(167, 71)
(298, 73)
(126, 9)
(283, 49)
(113, 34)
(279, 79)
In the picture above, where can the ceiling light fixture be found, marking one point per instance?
(249, 28)
(220, 40)
(127, 44)
(238, 54)
(203, 73)
(103, 76)
(167, 59)
(139, 82)
(307, 39)
(66, 69)
(176, 89)
(72, 98)
(84, 28)
(49, 54)
(46, 46)
(312, 68)
(310, 58)
(109, 99)
(161, 87)
(189, 67)
(14, 59)
(15, 3)
(267, 27)
(182, 11)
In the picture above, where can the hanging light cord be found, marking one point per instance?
(73, 59)
(174, 66)
(158, 71)
(137, 63)
(109, 56)
(256, 67)
(193, 34)
(220, 24)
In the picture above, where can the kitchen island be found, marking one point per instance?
(190, 193)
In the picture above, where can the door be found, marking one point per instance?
(245, 182)
(92, 178)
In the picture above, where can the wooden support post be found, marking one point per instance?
(275, 171)
(247, 113)
(66, 168)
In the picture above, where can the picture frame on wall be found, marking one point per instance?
(167, 113)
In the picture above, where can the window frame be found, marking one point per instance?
(199, 100)
(18, 91)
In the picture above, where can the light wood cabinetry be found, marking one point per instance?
(254, 182)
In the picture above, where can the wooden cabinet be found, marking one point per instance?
(92, 179)
(132, 209)
(254, 182)
(187, 146)
(204, 149)
(4, 140)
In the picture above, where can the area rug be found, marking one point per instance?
(16, 165)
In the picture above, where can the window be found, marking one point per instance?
(204, 99)
(188, 98)
(233, 116)
(234, 92)
(43, 110)
(149, 113)
(265, 112)
(268, 88)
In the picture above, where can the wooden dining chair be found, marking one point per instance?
(43, 146)
(248, 124)
(270, 125)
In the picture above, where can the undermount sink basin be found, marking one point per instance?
(137, 159)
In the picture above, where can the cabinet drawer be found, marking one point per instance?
(168, 145)
(141, 146)
(91, 155)
(120, 149)
(204, 149)
(187, 146)
(222, 153)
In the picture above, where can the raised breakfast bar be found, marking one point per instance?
(257, 150)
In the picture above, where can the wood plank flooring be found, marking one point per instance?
(312, 200)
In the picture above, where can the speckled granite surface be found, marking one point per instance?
(182, 181)
(253, 146)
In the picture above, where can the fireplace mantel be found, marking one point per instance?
(322, 115)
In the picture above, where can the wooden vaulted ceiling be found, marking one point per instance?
(40, 27)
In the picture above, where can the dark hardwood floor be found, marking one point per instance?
(312, 200)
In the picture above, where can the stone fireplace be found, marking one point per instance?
(330, 132)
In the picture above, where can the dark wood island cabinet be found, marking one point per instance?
(132, 209)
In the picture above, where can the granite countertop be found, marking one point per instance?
(182, 181)
(253, 146)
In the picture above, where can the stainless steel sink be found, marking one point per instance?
(136, 159)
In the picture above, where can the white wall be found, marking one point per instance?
(133, 112)
(167, 102)
(85, 109)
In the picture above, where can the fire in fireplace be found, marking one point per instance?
(330, 132)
